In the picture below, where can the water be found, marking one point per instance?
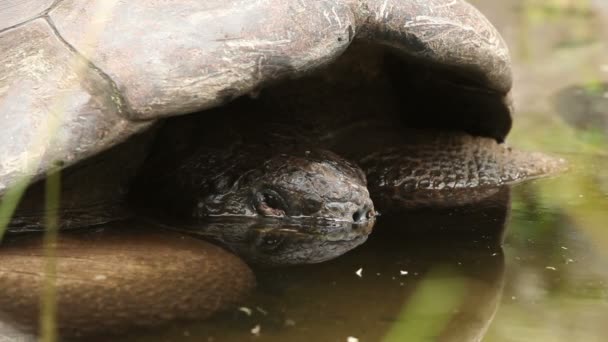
(403, 282)
(444, 275)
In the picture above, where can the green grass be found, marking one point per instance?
(48, 302)
(431, 307)
(9, 203)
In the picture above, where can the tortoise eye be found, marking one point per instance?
(270, 203)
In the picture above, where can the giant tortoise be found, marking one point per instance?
(277, 88)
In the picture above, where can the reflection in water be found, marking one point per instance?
(557, 280)
(280, 242)
(557, 284)
(429, 272)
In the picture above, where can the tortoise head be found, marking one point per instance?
(313, 184)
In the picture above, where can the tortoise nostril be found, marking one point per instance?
(357, 215)
(362, 214)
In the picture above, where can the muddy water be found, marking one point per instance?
(444, 274)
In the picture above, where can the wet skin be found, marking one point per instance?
(307, 184)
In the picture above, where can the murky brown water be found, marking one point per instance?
(443, 275)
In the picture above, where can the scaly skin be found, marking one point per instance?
(450, 168)
(246, 177)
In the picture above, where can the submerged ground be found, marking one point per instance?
(442, 274)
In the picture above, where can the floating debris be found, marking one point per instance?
(100, 277)
(262, 311)
(256, 330)
(352, 339)
(359, 272)
(564, 248)
(403, 272)
(551, 268)
(245, 310)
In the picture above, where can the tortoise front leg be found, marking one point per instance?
(449, 169)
